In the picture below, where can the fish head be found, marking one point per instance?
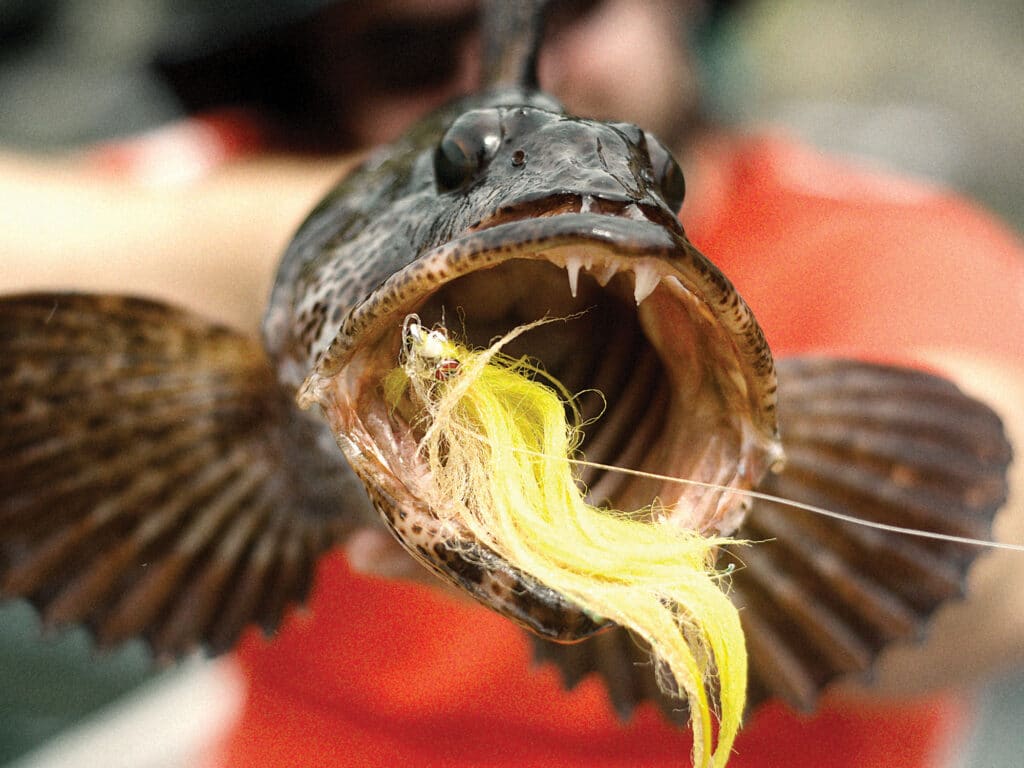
(511, 212)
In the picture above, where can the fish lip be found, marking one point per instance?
(690, 298)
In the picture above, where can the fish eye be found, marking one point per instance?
(466, 148)
(667, 174)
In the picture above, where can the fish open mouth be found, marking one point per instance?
(686, 380)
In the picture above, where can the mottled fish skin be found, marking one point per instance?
(537, 183)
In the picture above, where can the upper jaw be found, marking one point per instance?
(532, 207)
(614, 242)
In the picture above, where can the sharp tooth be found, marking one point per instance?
(645, 280)
(573, 265)
(633, 211)
(605, 272)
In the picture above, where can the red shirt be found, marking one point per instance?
(376, 673)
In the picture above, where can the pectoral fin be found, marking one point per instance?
(821, 598)
(156, 480)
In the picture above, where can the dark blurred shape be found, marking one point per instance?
(301, 73)
(305, 71)
(21, 22)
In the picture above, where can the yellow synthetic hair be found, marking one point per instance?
(500, 437)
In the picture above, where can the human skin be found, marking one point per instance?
(210, 245)
(611, 60)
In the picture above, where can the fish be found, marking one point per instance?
(172, 479)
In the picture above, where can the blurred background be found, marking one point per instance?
(933, 89)
(929, 88)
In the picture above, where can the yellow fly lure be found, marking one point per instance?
(501, 439)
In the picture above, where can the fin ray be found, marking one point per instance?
(153, 460)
